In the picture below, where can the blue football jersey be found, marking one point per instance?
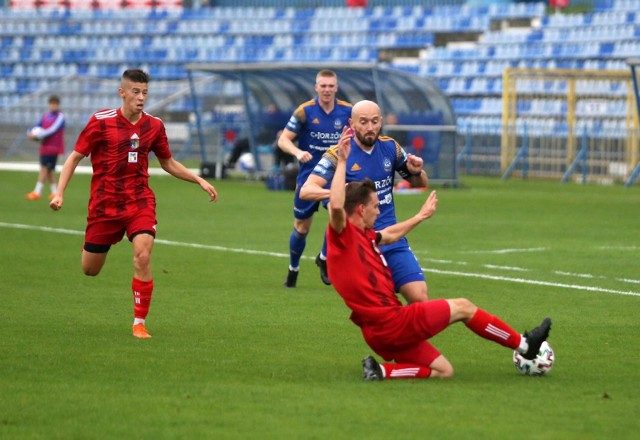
(380, 165)
(317, 130)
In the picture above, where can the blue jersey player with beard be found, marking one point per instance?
(378, 158)
(317, 124)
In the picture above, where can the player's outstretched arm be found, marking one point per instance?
(395, 232)
(337, 214)
(176, 169)
(68, 169)
(314, 189)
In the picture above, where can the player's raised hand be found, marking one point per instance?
(429, 206)
(414, 163)
(344, 145)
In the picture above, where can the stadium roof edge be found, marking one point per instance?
(414, 99)
(248, 67)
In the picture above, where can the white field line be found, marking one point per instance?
(285, 255)
(627, 280)
(434, 260)
(517, 269)
(534, 282)
(81, 169)
(506, 251)
(576, 275)
(41, 228)
(620, 248)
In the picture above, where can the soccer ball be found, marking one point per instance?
(247, 163)
(538, 366)
(36, 131)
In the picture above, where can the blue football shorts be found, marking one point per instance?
(303, 209)
(403, 263)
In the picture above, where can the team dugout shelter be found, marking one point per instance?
(416, 112)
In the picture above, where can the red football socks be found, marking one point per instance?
(405, 371)
(493, 328)
(142, 291)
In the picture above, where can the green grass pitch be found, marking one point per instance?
(234, 355)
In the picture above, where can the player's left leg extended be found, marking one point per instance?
(142, 283)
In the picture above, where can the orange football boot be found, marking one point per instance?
(140, 331)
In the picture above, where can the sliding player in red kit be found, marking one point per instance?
(119, 142)
(360, 274)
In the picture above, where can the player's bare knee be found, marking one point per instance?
(415, 291)
(462, 309)
(442, 372)
(142, 259)
(447, 372)
(91, 271)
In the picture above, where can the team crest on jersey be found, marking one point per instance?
(387, 164)
(133, 157)
(337, 124)
(135, 142)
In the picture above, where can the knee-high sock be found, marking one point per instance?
(405, 371)
(297, 243)
(142, 291)
(493, 328)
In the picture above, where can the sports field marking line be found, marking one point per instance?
(434, 260)
(577, 275)
(41, 228)
(282, 255)
(619, 248)
(627, 280)
(518, 269)
(534, 282)
(80, 169)
(506, 251)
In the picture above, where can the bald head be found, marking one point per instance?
(366, 121)
(368, 107)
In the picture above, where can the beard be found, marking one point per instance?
(368, 139)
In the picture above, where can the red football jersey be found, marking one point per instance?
(360, 274)
(120, 158)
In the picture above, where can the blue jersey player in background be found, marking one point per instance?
(378, 158)
(317, 124)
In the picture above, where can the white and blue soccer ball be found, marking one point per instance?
(247, 163)
(36, 131)
(538, 366)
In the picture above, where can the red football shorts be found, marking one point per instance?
(404, 339)
(108, 231)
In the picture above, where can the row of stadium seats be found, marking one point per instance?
(576, 26)
(547, 126)
(540, 107)
(40, 47)
(18, 45)
(497, 9)
(618, 49)
(444, 70)
(241, 50)
(573, 34)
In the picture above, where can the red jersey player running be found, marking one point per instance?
(119, 142)
(396, 332)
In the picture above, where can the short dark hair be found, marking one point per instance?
(54, 99)
(136, 76)
(326, 73)
(358, 193)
